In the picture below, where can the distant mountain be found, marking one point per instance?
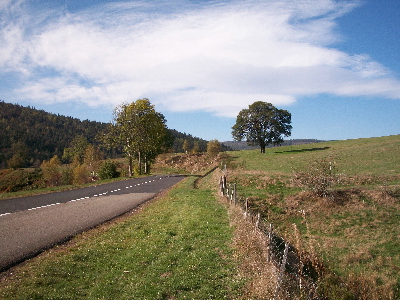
(35, 135)
(235, 146)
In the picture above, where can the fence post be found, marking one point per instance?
(234, 193)
(246, 207)
(258, 221)
(221, 186)
(282, 269)
(270, 242)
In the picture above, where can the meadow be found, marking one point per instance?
(352, 228)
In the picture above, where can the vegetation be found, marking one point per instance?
(344, 199)
(140, 131)
(28, 136)
(175, 248)
(108, 170)
(34, 143)
(262, 124)
(213, 148)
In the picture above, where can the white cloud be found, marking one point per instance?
(215, 58)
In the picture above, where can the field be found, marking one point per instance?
(352, 226)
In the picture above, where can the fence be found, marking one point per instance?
(297, 274)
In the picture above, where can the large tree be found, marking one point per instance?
(140, 130)
(262, 124)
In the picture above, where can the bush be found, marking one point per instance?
(108, 170)
(320, 176)
(81, 174)
(52, 172)
(67, 176)
(17, 180)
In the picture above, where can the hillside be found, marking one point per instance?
(338, 202)
(36, 135)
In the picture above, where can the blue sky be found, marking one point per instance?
(333, 64)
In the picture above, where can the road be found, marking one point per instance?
(32, 224)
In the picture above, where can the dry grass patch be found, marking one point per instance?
(252, 254)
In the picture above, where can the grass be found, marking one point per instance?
(375, 156)
(354, 230)
(176, 248)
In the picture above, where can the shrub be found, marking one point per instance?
(213, 148)
(13, 181)
(81, 174)
(67, 176)
(318, 178)
(52, 173)
(108, 170)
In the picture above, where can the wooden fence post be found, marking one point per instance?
(258, 221)
(282, 269)
(270, 242)
(234, 193)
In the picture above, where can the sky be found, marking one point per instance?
(333, 64)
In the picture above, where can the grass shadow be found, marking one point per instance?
(303, 150)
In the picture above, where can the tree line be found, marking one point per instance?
(29, 136)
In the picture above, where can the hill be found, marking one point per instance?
(36, 135)
(338, 202)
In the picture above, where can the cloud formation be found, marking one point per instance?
(214, 56)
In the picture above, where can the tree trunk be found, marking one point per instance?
(145, 164)
(130, 165)
(262, 145)
(140, 163)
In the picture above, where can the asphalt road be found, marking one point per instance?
(32, 224)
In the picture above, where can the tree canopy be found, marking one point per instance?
(262, 124)
(141, 131)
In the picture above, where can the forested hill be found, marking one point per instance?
(36, 135)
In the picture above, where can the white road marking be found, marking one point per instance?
(97, 195)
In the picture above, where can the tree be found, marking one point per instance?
(262, 124)
(186, 146)
(140, 130)
(213, 148)
(52, 173)
(76, 151)
(91, 158)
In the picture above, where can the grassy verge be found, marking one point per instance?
(177, 247)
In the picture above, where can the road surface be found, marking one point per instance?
(32, 224)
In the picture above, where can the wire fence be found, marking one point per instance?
(297, 274)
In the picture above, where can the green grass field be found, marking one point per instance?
(177, 247)
(354, 229)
